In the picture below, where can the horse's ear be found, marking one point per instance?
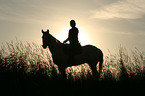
(47, 31)
(42, 31)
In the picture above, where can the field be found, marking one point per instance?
(27, 69)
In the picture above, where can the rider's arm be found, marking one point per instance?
(66, 40)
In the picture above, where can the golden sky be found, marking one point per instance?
(103, 23)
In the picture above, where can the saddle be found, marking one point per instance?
(75, 49)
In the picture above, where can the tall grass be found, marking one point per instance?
(130, 63)
(28, 57)
(27, 65)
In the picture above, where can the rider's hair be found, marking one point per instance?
(72, 23)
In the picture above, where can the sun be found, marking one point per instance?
(83, 36)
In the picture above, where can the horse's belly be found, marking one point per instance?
(80, 59)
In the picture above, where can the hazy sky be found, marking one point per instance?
(103, 23)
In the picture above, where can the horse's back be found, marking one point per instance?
(92, 51)
(91, 48)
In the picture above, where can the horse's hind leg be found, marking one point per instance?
(63, 73)
(94, 70)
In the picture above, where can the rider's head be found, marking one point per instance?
(72, 23)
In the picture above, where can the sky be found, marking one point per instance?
(106, 24)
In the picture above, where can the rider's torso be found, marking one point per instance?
(73, 36)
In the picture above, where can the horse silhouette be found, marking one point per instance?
(90, 55)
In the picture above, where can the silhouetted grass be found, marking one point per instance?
(26, 68)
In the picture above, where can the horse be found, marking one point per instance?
(90, 55)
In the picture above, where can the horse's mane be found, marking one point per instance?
(55, 39)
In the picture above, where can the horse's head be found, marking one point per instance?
(45, 38)
(49, 40)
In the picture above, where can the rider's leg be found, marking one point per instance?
(71, 55)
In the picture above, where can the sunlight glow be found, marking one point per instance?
(83, 37)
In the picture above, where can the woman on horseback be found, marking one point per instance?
(74, 46)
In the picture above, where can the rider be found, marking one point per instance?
(74, 47)
(73, 34)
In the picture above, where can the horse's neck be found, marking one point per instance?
(55, 46)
